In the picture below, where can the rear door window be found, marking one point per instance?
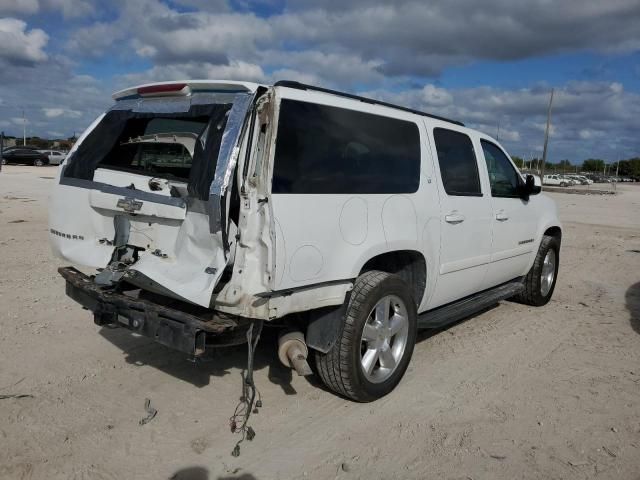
(329, 150)
(458, 164)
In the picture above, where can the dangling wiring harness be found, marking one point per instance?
(248, 404)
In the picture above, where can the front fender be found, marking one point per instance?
(547, 218)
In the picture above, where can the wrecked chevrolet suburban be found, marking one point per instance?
(205, 209)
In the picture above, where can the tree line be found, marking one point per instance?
(626, 168)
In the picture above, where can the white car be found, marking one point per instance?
(346, 222)
(558, 180)
(56, 157)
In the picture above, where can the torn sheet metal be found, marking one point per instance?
(227, 159)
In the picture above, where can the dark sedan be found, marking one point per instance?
(24, 155)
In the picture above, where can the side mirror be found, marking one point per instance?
(532, 186)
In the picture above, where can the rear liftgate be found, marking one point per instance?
(165, 237)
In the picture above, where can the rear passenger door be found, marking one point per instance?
(514, 221)
(465, 218)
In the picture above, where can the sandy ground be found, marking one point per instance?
(515, 392)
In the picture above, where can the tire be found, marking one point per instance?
(562, 184)
(4, 161)
(38, 162)
(341, 369)
(538, 291)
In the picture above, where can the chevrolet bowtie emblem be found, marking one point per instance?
(129, 205)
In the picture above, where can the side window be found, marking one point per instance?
(329, 150)
(504, 179)
(458, 165)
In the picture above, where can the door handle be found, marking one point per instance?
(501, 217)
(454, 217)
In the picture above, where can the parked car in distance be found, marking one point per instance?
(556, 180)
(56, 157)
(393, 220)
(597, 178)
(25, 156)
(578, 179)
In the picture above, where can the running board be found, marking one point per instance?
(453, 312)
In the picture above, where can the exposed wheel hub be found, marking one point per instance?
(384, 338)
(548, 272)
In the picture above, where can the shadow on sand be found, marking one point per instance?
(427, 333)
(141, 351)
(632, 300)
(201, 473)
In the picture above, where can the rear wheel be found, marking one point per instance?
(376, 342)
(38, 162)
(541, 279)
(4, 161)
(563, 184)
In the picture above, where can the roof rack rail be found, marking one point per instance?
(303, 86)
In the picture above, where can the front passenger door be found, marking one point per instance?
(514, 222)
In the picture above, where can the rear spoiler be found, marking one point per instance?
(184, 88)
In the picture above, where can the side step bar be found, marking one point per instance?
(453, 312)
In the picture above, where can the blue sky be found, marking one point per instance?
(485, 63)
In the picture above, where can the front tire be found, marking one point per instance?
(376, 341)
(540, 282)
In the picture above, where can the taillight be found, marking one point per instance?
(164, 89)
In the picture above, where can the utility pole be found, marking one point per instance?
(24, 129)
(546, 136)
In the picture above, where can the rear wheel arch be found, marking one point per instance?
(409, 265)
(342, 368)
(324, 325)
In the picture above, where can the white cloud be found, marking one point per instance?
(195, 70)
(58, 112)
(434, 96)
(70, 8)
(583, 114)
(21, 7)
(95, 40)
(19, 46)
(509, 135)
(392, 50)
(329, 69)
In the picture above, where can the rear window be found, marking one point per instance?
(182, 146)
(164, 147)
(329, 150)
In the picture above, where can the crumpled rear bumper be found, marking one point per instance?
(171, 327)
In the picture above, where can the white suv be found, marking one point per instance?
(208, 208)
(559, 180)
(56, 157)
